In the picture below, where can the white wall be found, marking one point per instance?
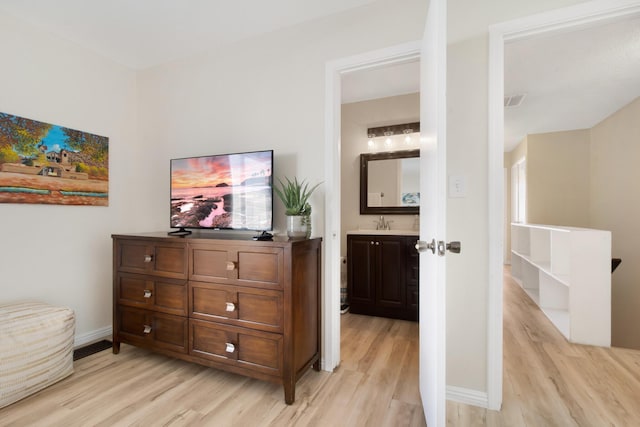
(467, 218)
(467, 154)
(266, 92)
(62, 254)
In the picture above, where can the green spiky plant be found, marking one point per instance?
(295, 196)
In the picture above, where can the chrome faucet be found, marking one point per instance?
(381, 224)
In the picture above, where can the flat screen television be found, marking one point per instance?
(223, 192)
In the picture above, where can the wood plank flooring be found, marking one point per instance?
(547, 382)
(550, 382)
(375, 385)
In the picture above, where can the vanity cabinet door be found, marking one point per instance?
(390, 280)
(360, 270)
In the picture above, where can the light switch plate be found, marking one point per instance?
(457, 186)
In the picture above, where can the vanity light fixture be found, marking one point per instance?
(370, 142)
(388, 135)
(407, 137)
(387, 141)
(393, 129)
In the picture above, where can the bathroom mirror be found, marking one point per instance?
(390, 182)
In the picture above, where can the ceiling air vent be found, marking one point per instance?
(514, 100)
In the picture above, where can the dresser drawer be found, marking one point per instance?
(261, 267)
(255, 350)
(151, 329)
(165, 259)
(237, 305)
(165, 295)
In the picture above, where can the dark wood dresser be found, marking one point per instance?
(244, 306)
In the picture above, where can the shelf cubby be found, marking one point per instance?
(566, 272)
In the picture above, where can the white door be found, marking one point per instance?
(432, 213)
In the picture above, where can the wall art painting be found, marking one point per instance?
(51, 164)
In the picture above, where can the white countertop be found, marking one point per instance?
(386, 232)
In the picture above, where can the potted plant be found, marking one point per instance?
(295, 197)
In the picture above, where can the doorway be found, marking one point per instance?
(333, 224)
(561, 20)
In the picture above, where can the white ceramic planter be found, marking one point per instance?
(298, 226)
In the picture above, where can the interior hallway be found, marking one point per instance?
(550, 382)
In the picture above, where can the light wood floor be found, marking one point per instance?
(547, 382)
(375, 385)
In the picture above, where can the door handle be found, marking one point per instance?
(422, 246)
(454, 247)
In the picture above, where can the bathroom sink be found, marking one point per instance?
(397, 232)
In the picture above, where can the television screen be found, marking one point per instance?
(227, 191)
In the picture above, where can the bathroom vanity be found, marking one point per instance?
(382, 273)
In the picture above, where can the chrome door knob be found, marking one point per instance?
(454, 247)
(422, 246)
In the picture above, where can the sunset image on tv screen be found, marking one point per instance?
(232, 191)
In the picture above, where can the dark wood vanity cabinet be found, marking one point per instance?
(382, 275)
(247, 307)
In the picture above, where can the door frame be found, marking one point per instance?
(564, 19)
(334, 70)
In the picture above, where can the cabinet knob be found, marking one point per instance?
(147, 329)
(372, 242)
(148, 258)
(230, 348)
(231, 265)
(231, 306)
(147, 293)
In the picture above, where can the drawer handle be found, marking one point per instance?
(148, 258)
(147, 329)
(231, 265)
(230, 348)
(231, 306)
(147, 293)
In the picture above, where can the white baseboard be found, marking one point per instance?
(93, 336)
(468, 396)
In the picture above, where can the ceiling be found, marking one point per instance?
(572, 80)
(143, 33)
(390, 80)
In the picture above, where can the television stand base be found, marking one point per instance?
(180, 232)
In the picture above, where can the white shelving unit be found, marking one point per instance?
(567, 272)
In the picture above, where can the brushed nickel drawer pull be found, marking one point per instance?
(230, 348)
(231, 306)
(148, 258)
(231, 265)
(147, 329)
(147, 293)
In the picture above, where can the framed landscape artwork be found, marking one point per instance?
(50, 164)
